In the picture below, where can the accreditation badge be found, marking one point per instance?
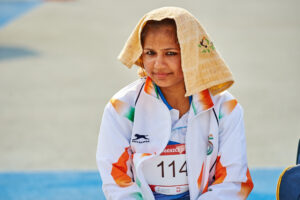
(167, 173)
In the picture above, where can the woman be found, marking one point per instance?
(176, 133)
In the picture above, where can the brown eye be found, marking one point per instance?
(171, 53)
(150, 53)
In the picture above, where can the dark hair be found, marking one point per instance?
(153, 24)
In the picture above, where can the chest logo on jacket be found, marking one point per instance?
(140, 138)
(210, 146)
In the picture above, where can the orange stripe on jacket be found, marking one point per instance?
(118, 105)
(246, 187)
(119, 170)
(146, 154)
(200, 177)
(221, 172)
(205, 188)
(205, 99)
(200, 180)
(229, 106)
(148, 86)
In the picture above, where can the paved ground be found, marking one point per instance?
(58, 68)
(74, 185)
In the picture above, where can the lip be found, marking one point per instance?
(161, 75)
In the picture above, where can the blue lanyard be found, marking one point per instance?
(164, 99)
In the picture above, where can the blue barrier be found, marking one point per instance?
(50, 185)
(76, 185)
(10, 10)
(265, 182)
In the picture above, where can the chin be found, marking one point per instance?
(162, 83)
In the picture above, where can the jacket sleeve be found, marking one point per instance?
(232, 180)
(114, 154)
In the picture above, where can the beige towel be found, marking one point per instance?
(202, 66)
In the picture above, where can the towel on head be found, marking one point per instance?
(202, 66)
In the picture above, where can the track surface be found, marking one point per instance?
(58, 69)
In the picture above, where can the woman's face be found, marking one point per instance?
(161, 57)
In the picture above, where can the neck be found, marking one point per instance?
(175, 97)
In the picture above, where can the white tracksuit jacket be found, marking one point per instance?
(215, 144)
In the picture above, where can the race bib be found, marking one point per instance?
(167, 173)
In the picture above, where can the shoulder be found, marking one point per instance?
(123, 102)
(225, 103)
(129, 93)
(223, 97)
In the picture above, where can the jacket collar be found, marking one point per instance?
(202, 101)
(150, 88)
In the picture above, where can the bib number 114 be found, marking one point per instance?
(183, 168)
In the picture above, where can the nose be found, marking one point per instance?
(159, 62)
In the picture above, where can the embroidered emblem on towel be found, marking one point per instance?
(206, 45)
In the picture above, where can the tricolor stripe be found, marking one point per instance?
(227, 107)
(119, 170)
(205, 100)
(246, 187)
(137, 196)
(221, 172)
(199, 181)
(123, 109)
(145, 154)
(150, 88)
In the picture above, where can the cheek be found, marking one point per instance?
(180, 73)
(177, 66)
(147, 63)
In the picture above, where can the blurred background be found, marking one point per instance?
(58, 69)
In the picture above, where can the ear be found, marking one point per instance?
(142, 72)
(139, 62)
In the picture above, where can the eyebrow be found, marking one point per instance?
(163, 49)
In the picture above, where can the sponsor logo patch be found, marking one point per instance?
(140, 138)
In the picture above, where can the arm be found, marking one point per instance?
(113, 154)
(232, 177)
